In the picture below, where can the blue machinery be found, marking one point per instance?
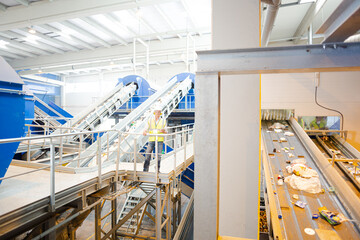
(12, 107)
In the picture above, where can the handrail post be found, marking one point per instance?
(79, 154)
(118, 156)
(28, 148)
(98, 156)
(184, 143)
(52, 176)
(108, 147)
(135, 158)
(175, 152)
(156, 159)
(61, 147)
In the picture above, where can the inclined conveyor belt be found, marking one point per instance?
(292, 220)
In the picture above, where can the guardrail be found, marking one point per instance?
(178, 140)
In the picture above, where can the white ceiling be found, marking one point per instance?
(85, 33)
(81, 35)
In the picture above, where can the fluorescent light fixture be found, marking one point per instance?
(32, 30)
(307, 1)
(3, 43)
(32, 39)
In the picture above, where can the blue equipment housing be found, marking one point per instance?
(12, 107)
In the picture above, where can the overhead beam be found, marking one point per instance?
(308, 19)
(43, 12)
(10, 55)
(85, 33)
(103, 29)
(343, 22)
(100, 54)
(53, 40)
(308, 58)
(170, 58)
(120, 25)
(68, 36)
(190, 16)
(23, 2)
(36, 43)
(23, 46)
(17, 51)
(144, 23)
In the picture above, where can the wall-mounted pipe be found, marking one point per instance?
(270, 15)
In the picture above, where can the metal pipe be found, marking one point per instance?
(271, 13)
(310, 34)
(98, 156)
(52, 176)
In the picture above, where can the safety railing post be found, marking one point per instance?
(108, 147)
(156, 159)
(61, 147)
(184, 144)
(98, 158)
(52, 176)
(118, 156)
(79, 154)
(175, 153)
(28, 155)
(135, 147)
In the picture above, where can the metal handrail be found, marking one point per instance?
(184, 133)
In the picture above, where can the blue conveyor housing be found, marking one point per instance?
(12, 109)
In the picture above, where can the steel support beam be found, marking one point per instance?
(43, 12)
(101, 54)
(85, 33)
(312, 58)
(343, 22)
(103, 29)
(308, 19)
(70, 37)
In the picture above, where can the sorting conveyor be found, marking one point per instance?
(333, 146)
(167, 98)
(289, 221)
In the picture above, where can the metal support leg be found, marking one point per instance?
(158, 214)
(168, 214)
(114, 212)
(49, 224)
(98, 222)
(52, 176)
(179, 208)
(98, 155)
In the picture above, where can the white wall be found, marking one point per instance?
(80, 91)
(337, 90)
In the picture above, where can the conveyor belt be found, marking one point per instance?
(328, 143)
(294, 219)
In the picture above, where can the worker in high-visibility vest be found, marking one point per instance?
(155, 125)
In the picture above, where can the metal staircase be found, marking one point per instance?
(132, 225)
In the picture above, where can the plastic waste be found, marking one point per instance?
(310, 185)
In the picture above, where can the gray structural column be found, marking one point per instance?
(227, 132)
(206, 157)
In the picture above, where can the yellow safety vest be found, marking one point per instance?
(154, 127)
